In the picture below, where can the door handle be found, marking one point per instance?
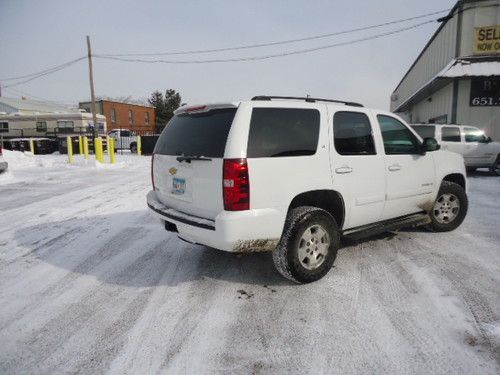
(343, 170)
(394, 167)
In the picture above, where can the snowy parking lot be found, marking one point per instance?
(92, 283)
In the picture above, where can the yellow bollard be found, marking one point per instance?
(111, 150)
(98, 149)
(80, 144)
(69, 144)
(139, 146)
(86, 148)
(32, 146)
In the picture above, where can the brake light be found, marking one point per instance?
(236, 185)
(195, 108)
(152, 175)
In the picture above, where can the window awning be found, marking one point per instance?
(470, 68)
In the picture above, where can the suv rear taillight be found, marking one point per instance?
(236, 185)
(0, 149)
(152, 175)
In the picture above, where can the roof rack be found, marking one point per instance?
(307, 99)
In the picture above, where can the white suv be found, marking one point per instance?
(3, 163)
(293, 175)
(478, 150)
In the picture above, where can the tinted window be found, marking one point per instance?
(196, 134)
(474, 135)
(125, 133)
(425, 131)
(353, 134)
(398, 139)
(276, 132)
(450, 134)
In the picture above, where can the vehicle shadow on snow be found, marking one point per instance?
(480, 173)
(133, 249)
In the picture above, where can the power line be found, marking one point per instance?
(46, 71)
(287, 41)
(264, 57)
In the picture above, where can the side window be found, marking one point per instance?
(474, 135)
(425, 131)
(353, 134)
(450, 134)
(398, 139)
(279, 132)
(125, 133)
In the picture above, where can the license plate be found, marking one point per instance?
(178, 186)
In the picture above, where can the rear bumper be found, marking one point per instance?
(3, 166)
(239, 231)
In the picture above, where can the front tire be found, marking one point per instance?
(449, 208)
(495, 168)
(308, 246)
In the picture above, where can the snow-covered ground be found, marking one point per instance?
(90, 282)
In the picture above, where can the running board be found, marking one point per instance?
(412, 220)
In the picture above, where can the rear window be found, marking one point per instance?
(279, 132)
(425, 131)
(196, 134)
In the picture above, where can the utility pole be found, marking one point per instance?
(92, 95)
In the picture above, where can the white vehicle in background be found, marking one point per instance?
(3, 164)
(478, 150)
(293, 175)
(125, 139)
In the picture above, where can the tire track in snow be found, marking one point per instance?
(82, 316)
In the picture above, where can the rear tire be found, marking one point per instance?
(308, 246)
(133, 148)
(449, 208)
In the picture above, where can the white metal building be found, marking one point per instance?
(28, 118)
(456, 77)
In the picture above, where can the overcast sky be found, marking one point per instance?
(35, 35)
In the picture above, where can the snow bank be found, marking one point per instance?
(26, 167)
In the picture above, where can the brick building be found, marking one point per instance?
(138, 118)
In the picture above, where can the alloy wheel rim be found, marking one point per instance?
(446, 208)
(313, 247)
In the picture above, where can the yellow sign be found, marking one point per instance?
(486, 40)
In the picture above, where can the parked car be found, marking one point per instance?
(293, 175)
(3, 164)
(478, 150)
(124, 139)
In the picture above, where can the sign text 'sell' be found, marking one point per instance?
(486, 40)
(485, 92)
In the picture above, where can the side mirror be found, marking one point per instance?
(430, 144)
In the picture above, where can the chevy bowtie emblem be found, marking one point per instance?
(172, 171)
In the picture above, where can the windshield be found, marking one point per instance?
(196, 134)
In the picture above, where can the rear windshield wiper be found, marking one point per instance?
(188, 158)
